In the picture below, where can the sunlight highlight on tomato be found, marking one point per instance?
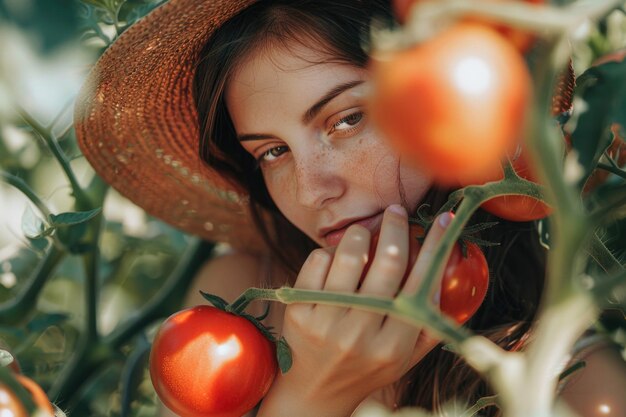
(455, 104)
(10, 405)
(206, 362)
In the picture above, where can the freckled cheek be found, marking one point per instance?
(382, 171)
(375, 166)
(282, 189)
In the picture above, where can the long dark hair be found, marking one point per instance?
(341, 29)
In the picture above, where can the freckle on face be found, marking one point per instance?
(357, 173)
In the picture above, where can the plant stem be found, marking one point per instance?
(547, 20)
(56, 150)
(604, 288)
(21, 185)
(18, 308)
(598, 251)
(169, 298)
(90, 264)
(401, 307)
(612, 169)
(482, 403)
(92, 353)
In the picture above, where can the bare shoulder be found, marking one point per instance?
(227, 275)
(231, 273)
(598, 388)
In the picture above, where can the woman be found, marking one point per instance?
(243, 113)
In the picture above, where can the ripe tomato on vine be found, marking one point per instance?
(10, 404)
(465, 279)
(454, 104)
(206, 362)
(511, 207)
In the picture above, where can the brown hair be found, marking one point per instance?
(341, 30)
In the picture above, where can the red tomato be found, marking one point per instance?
(455, 104)
(516, 207)
(10, 403)
(521, 39)
(206, 362)
(465, 280)
(511, 207)
(39, 396)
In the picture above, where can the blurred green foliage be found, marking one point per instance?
(104, 264)
(102, 270)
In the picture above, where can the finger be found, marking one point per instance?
(426, 253)
(349, 260)
(313, 273)
(405, 334)
(390, 259)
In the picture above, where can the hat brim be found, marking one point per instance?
(136, 123)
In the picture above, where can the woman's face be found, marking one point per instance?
(324, 164)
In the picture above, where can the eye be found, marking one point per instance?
(272, 154)
(347, 124)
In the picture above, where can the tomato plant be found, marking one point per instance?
(519, 207)
(210, 363)
(455, 104)
(522, 40)
(511, 207)
(465, 280)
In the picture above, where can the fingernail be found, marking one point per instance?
(446, 218)
(398, 209)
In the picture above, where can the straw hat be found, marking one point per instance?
(136, 123)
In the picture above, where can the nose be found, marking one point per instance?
(318, 181)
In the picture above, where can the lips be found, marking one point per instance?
(333, 236)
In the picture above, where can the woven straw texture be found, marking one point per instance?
(136, 123)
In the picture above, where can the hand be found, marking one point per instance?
(340, 354)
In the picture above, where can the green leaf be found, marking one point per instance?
(603, 90)
(72, 218)
(283, 354)
(215, 300)
(33, 226)
(44, 320)
(70, 236)
(39, 244)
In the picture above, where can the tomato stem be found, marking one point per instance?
(21, 185)
(401, 307)
(19, 307)
(545, 20)
(51, 142)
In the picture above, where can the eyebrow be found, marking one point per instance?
(312, 111)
